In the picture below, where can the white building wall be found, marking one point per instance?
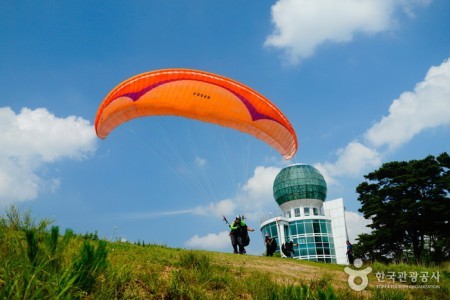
(336, 211)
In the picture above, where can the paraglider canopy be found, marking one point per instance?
(197, 95)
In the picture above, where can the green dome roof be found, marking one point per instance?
(299, 182)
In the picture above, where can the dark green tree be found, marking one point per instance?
(409, 205)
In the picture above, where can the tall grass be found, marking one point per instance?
(36, 265)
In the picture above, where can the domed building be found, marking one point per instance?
(316, 227)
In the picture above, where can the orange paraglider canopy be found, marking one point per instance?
(197, 95)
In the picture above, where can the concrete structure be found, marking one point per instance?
(317, 228)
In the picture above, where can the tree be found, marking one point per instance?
(409, 205)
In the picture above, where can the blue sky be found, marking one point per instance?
(362, 82)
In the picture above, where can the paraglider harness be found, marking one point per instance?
(241, 231)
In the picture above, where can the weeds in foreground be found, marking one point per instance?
(39, 263)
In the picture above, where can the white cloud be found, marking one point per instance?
(211, 241)
(258, 191)
(352, 160)
(428, 106)
(303, 25)
(253, 198)
(356, 225)
(32, 139)
(218, 209)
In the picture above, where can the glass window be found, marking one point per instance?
(303, 252)
(315, 211)
(288, 214)
(300, 227)
(316, 226)
(273, 231)
(270, 229)
(323, 226)
(306, 211)
(329, 230)
(311, 251)
(297, 212)
(293, 228)
(308, 227)
(286, 232)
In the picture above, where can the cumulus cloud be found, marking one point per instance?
(255, 197)
(352, 160)
(356, 225)
(217, 209)
(428, 106)
(301, 26)
(31, 139)
(211, 241)
(258, 190)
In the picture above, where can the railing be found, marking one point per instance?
(269, 216)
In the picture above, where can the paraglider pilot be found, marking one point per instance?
(271, 245)
(239, 235)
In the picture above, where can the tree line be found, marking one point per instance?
(408, 203)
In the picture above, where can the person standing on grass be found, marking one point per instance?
(271, 245)
(350, 252)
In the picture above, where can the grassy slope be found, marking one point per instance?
(161, 264)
